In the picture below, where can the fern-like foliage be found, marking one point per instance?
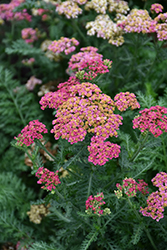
(91, 237)
(15, 110)
(43, 246)
(22, 48)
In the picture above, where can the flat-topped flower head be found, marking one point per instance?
(101, 151)
(69, 8)
(29, 35)
(156, 8)
(153, 120)
(138, 21)
(31, 132)
(160, 181)
(130, 188)
(91, 69)
(102, 6)
(154, 207)
(64, 44)
(7, 11)
(94, 203)
(48, 178)
(157, 201)
(125, 100)
(105, 28)
(86, 110)
(161, 26)
(55, 99)
(78, 61)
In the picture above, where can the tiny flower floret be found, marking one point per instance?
(31, 132)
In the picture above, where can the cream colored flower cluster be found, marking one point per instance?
(101, 6)
(49, 54)
(105, 28)
(69, 8)
(138, 21)
(37, 212)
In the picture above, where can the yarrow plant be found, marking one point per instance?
(92, 143)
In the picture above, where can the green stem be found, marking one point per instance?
(62, 217)
(146, 230)
(12, 30)
(111, 182)
(164, 150)
(39, 143)
(73, 173)
(58, 194)
(114, 215)
(90, 183)
(16, 105)
(140, 146)
(147, 167)
(80, 32)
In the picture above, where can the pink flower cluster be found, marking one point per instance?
(156, 7)
(32, 82)
(130, 187)
(100, 151)
(7, 11)
(157, 201)
(86, 113)
(28, 62)
(48, 178)
(41, 12)
(80, 60)
(55, 99)
(83, 108)
(93, 204)
(31, 132)
(138, 21)
(29, 35)
(125, 100)
(161, 26)
(152, 119)
(91, 68)
(63, 44)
